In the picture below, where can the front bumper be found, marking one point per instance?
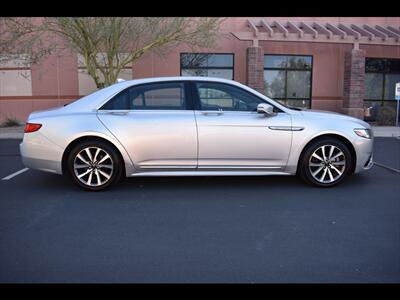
(364, 153)
(370, 162)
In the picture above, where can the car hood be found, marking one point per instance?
(313, 113)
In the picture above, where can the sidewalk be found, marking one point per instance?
(386, 131)
(379, 131)
(12, 132)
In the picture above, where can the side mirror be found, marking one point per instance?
(264, 108)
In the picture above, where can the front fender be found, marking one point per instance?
(314, 128)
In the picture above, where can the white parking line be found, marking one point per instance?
(15, 174)
(386, 167)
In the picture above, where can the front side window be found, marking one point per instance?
(157, 96)
(381, 76)
(288, 79)
(217, 96)
(205, 64)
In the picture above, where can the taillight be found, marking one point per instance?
(32, 127)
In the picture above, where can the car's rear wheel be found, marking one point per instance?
(94, 165)
(325, 162)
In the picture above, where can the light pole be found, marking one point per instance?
(397, 94)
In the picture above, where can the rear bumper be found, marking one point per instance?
(38, 153)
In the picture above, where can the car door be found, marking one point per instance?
(232, 135)
(156, 125)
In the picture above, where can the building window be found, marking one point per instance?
(206, 64)
(288, 79)
(381, 76)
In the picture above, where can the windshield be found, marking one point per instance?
(286, 106)
(292, 107)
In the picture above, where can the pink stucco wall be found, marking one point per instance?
(56, 76)
(55, 80)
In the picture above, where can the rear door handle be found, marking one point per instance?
(212, 112)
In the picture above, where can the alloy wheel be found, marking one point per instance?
(327, 164)
(93, 166)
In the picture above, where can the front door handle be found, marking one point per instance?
(118, 113)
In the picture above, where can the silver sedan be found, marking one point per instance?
(192, 126)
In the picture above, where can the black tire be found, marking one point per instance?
(305, 160)
(114, 160)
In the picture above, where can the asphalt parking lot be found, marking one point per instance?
(201, 229)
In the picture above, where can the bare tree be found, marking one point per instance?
(21, 39)
(106, 44)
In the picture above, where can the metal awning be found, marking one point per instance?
(318, 32)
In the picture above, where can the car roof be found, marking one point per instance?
(175, 78)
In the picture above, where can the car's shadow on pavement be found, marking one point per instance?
(58, 183)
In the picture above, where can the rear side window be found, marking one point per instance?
(157, 96)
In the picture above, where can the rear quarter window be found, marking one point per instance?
(156, 96)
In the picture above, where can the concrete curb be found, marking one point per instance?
(12, 132)
(11, 136)
(386, 131)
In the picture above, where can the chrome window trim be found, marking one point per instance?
(263, 97)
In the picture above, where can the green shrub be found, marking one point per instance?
(386, 116)
(10, 122)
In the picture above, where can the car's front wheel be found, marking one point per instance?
(94, 165)
(325, 162)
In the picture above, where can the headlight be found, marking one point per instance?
(363, 132)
